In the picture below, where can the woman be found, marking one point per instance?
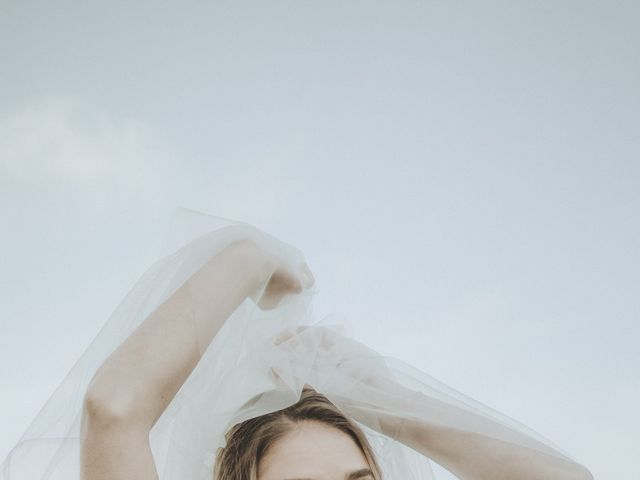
(311, 439)
(213, 367)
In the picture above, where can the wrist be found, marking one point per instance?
(252, 261)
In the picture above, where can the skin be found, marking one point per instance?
(123, 402)
(313, 450)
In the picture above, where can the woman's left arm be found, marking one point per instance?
(468, 454)
(472, 456)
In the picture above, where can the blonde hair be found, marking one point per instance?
(247, 442)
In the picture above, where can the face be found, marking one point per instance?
(314, 451)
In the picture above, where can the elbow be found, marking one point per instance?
(582, 474)
(577, 471)
(106, 411)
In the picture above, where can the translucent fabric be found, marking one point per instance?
(257, 363)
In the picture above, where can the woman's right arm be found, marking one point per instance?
(139, 379)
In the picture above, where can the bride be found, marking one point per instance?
(210, 371)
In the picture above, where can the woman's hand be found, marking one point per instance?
(355, 359)
(281, 277)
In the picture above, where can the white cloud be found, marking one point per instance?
(60, 151)
(63, 138)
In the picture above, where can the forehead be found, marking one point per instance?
(312, 450)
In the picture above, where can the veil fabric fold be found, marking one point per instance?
(258, 362)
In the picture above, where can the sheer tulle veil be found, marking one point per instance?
(250, 369)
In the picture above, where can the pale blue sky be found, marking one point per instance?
(462, 176)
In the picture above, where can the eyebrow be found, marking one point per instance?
(355, 475)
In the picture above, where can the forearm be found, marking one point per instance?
(467, 454)
(141, 377)
(471, 456)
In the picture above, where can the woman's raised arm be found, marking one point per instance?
(470, 445)
(468, 454)
(136, 383)
(471, 456)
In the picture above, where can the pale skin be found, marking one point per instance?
(313, 450)
(123, 402)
